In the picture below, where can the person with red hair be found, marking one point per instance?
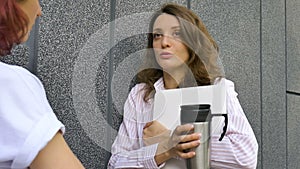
(31, 136)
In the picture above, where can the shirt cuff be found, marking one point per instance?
(150, 154)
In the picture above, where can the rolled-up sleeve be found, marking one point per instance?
(128, 150)
(239, 147)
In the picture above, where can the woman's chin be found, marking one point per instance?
(25, 38)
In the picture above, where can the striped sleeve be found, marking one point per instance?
(239, 147)
(128, 150)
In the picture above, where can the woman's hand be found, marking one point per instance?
(154, 132)
(176, 145)
(182, 140)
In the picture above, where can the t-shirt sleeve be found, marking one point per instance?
(27, 122)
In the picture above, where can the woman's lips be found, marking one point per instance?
(165, 55)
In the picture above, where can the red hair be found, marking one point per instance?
(13, 25)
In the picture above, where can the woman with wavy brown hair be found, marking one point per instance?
(196, 38)
(30, 133)
(180, 53)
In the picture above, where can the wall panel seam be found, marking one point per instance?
(286, 102)
(110, 74)
(33, 48)
(261, 100)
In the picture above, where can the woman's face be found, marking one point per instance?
(170, 52)
(32, 9)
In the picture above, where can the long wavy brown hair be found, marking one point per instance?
(13, 25)
(203, 50)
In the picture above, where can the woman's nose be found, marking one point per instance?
(39, 12)
(166, 41)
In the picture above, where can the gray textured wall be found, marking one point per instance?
(293, 82)
(82, 49)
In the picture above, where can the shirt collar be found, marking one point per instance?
(159, 84)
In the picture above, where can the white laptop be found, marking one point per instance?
(167, 109)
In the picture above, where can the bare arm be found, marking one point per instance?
(56, 155)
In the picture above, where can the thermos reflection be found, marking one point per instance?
(200, 116)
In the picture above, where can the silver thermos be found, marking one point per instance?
(200, 116)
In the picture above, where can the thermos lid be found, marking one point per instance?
(200, 113)
(195, 113)
(195, 107)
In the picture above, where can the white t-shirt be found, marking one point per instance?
(27, 122)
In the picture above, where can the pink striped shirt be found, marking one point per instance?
(238, 149)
